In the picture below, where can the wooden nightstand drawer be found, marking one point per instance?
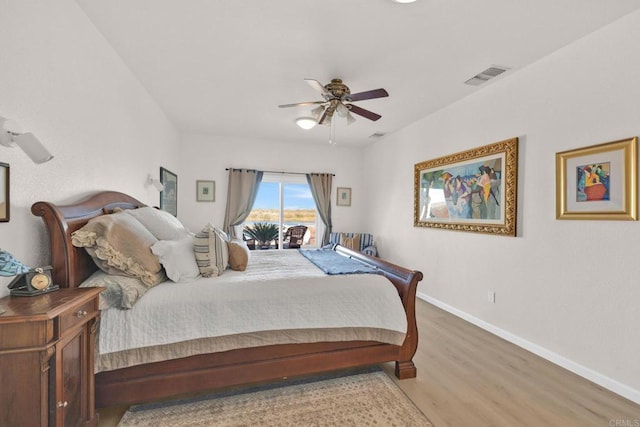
(77, 316)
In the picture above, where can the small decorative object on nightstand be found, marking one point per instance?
(46, 358)
(36, 281)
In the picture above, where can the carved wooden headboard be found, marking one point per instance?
(72, 265)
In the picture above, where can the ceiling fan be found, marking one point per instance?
(338, 98)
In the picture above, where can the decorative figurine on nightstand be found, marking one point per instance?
(28, 281)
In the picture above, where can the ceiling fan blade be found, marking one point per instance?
(319, 87)
(362, 112)
(370, 94)
(323, 116)
(301, 104)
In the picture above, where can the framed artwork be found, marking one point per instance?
(343, 196)
(205, 191)
(474, 190)
(4, 192)
(169, 196)
(598, 182)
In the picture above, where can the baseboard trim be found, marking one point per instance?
(593, 376)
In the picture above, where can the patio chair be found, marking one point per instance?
(294, 236)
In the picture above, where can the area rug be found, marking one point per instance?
(364, 399)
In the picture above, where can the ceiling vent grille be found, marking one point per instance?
(486, 75)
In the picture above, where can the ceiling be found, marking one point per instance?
(222, 67)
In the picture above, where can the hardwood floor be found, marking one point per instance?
(469, 377)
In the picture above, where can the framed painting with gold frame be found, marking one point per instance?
(474, 190)
(598, 182)
(5, 207)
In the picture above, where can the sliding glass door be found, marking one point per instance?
(285, 201)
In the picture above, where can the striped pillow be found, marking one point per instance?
(212, 255)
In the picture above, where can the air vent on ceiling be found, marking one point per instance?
(377, 135)
(486, 75)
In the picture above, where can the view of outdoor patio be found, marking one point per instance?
(298, 209)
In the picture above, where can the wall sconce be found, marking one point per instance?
(10, 136)
(155, 182)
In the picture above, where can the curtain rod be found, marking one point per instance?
(289, 173)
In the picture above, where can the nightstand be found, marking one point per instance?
(46, 358)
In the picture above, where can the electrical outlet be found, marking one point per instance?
(491, 297)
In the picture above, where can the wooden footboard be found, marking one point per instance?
(210, 371)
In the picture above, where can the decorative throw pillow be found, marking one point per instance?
(178, 259)
(350, 242)
(161, 224)
(238, 254)
(224, 238)
(120, 244)
(210, 251)
(120, 291)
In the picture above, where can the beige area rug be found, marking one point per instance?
(365, 399)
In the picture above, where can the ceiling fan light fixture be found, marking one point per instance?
(317, 112)
(342, 110)
(306, 122)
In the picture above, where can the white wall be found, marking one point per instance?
(205, 157)
(568, 287)
(60, 80)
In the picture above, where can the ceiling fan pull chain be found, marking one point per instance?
(332, 133)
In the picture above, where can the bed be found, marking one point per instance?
(203, 372)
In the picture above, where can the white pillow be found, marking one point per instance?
(161, 224)
(177, 258)
(223, 238)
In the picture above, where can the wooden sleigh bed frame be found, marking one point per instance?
(172, 378)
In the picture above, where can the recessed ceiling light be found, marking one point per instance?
(306, 122)
(403, 1)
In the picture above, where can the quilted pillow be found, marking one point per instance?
(350, 242)
(238, 254)
(177, 258)
(211, 252)
(120, 291)
(161, 224)
(120, 244)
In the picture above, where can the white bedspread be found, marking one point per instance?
(280, 290)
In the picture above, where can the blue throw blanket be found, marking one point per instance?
(332, 262)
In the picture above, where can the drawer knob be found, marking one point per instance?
(63, 404)
(81, 313)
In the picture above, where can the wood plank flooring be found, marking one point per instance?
(470, 377)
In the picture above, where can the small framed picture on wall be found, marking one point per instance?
(169, 196)
(344, 196)
(205, 191)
